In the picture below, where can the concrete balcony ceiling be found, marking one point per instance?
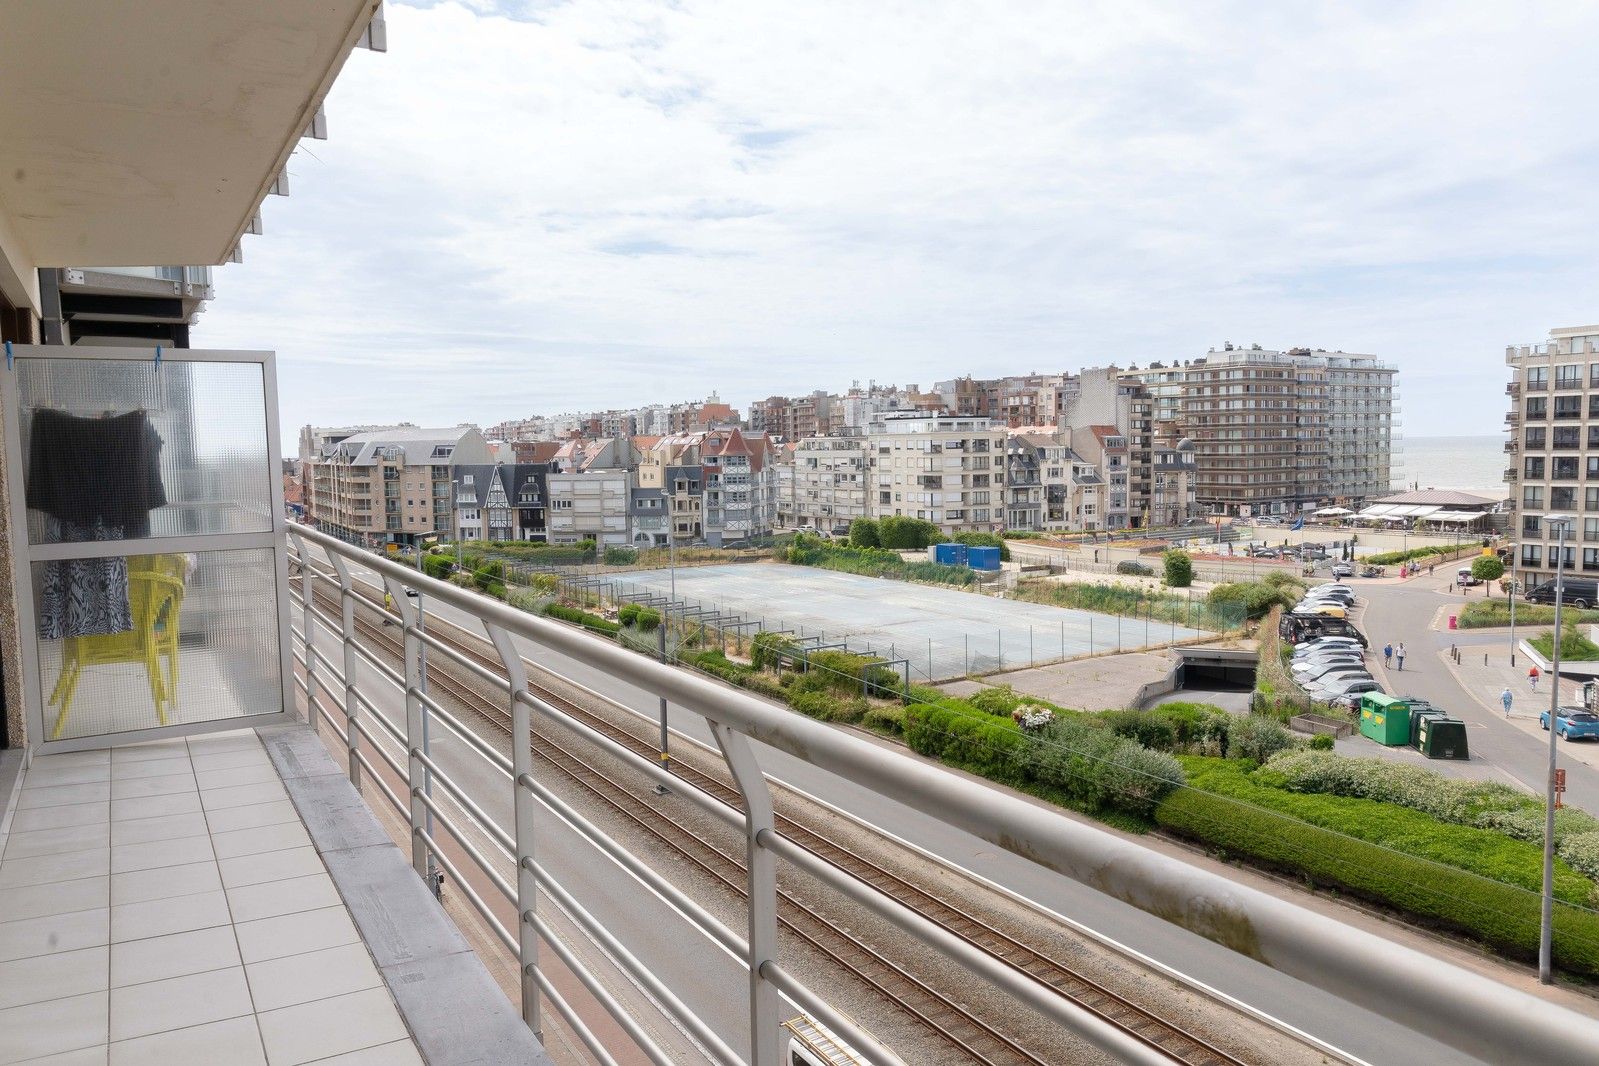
(149, 133)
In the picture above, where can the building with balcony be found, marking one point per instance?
(944, 469)
(829, 483)
(1049, 486)
(500, 501)
(1553, 445)
(392, 486)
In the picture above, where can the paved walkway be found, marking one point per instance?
(1103, 683)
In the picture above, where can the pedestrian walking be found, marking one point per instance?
(1399, 654)
(1430, 568)
(1388, 654)
(1532, 678)
(388, 607)
(1505, 698)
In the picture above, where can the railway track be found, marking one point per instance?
(927, 1005)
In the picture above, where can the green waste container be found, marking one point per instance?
(1385, 719)
(1419, 715)
(1443, 738)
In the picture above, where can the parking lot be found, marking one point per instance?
(942, 632)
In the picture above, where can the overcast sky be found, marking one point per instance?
(532, 208)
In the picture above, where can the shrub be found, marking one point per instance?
(1134, 568)
(463, 580)
(648, 618)
(437, 566)
(767, 650)
(489, 573)
(528, 600)
(1322, 742)
(548, 584)
(1001, 700)
(1403, 859)
(974, 741)
(582, 618)
(863, 534)
(766, 686)
(1254, 597)
(1179, 568)
(1574, 647)
(1250, 736)
(1487, 568)
(1482, 613)
(627, 614)
(906, 534)
(496, 589)
(1096, 768)
(808, 550)
(616, 555)
(1391, 558)
(885, 718)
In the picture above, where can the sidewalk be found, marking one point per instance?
(1484, 673)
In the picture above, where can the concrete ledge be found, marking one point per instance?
(456, 1012)
(10, 784)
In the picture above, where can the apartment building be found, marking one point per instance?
(392, 485)
(1104, 448)
(1553, 426)
(945, 469)
(1048, 486)
(829, 483)
(501, 501)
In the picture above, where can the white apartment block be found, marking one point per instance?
(829, 483)
(391, 486)
(589, 505)
(1554, 452)
(945, 469)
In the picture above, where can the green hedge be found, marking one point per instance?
(808, 550)
(1429, 552)
(1132, 600)
(582, 618)
(1574, 647)
(1270, 828)
(1134, 568)
(438, 566)
(1484, 613)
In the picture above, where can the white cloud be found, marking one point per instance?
(610, 203)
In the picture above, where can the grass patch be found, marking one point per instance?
(1486, 613)
(1574, 647)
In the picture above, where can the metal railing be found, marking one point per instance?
(1459, 1008)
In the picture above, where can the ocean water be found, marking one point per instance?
(1466, 464)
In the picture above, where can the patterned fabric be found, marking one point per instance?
(84, 597)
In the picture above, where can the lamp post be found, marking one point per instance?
(1546, 922)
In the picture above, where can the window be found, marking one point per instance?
(1590, 529)
(466, 479)
(1593, 466)
(1590, 558)
(1565, 468)
(1562, 498)
(1537, 377)
(1538, 407)
(1531, 555)
(1568, 377)
(1568, 436)
(1537, 436)
(563, 505)
(1532, 496)
(1568, 406)
(1532, 467)
(1590, 499)
(1532, 524)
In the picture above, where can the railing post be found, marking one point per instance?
(308, 635)
(416, 769)
(522, 795)
(761, 870)
(352, 735)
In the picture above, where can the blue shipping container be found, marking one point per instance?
(983, 557)
(950, 554)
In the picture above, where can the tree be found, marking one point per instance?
(863, 534)
(1179, 568)
(1487, 568)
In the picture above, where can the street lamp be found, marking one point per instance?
(1562, 523)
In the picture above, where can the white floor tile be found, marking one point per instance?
(89, 1056)
(58, 841)
(313, 975)
(282, 897)
(36, 901)
(54, 976)
(52, 1027)
(156, 806)
(48, 869)
(158, 917)
(175, 748)
(132, 771)
(95, 757)
(144, 787)
(175, 955)
(330, 1027)
(270, 866)
(236, 740)
(165, 827)
(63, 795)
(155, 854)
(399, 1053)
(56, 932)
(43, 776)
(139, 1010)
(60, 817)
(278, 837)
(221, 760)
(251, 817)
(218, 799)
(236, 1042)
(141, 885)
(293, 934)
(227, 777)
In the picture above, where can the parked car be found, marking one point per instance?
(1307, 674)
(1342, 570)
(1373, 571)
(1573, 723)
(1579, 592)
(1464, 577)
(1344, 687)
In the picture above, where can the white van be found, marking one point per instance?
(1464, 579)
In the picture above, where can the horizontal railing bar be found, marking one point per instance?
(629, 962)
(1465, 1010)
(468, 891)
(585, 976)
(499, 761)
(473, 852)
(501, 837)
(1112, 1039)
(376, 778)
(584, 1034)
(595, 837)
(376, 744)
(466, 662)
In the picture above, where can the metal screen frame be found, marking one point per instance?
(25, 554)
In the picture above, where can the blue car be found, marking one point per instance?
(1573, 723)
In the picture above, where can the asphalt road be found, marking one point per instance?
(1359, 1032)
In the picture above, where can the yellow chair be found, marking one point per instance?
(155, 596)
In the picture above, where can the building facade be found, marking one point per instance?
(829, 483)
(500, 501)
(944, 469)
(1553, 426)
(391, 486)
